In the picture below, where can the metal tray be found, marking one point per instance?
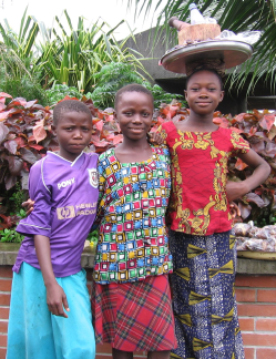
(268, 256)
(232, 52)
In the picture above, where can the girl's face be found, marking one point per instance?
(204, 92)
(134, 112)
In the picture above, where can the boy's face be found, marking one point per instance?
(204, 92)
(73, 132)
(134, 112)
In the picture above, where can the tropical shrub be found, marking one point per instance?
(10, 235)
(19, 71)
(73, 57)
(16, 196)
(64, 55)
(57, 92)
(25, 136)
(259, 129)
(113, 76)
(28, 88)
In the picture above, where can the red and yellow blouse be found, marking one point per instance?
(199, 204)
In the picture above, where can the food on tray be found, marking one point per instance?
(253, 238)
(200, 29)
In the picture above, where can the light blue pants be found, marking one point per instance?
(34, 333)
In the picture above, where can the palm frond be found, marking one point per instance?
(235, 15)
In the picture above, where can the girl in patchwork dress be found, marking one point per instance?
(203, 250)
(131, 300)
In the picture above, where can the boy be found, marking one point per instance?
(48, 277)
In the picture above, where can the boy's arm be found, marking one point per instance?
(56, 297)
(261, 168)
(38, 222)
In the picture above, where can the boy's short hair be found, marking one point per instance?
(213, 71)
(131, 88)
(69, 106)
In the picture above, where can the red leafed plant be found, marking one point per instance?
(259, 129)
(25, 136)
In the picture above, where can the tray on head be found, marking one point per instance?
(268, 256)
(232, 52)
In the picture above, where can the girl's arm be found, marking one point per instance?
(155, 138)
(28, 206)
(262, 170)
(56, 298)
(102, 190)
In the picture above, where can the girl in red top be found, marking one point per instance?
(202, 248)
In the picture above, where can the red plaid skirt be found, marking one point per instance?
(134, 316)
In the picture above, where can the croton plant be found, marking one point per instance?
(25, 136)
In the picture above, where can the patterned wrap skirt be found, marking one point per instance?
(204, 305)
(134, 316)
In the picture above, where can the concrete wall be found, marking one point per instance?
(256, 297)
(103, 351)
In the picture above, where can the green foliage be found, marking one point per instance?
(110, 79)
(15, 201)
(23, 86)
(65, 55)
(266, 218)
(58, 92)
(113, 76)
(93, 238)
(22, 43)
(19, 46)
(12, 203)
(74, 57)
(10, 235)
(19, 72)
(161, 97)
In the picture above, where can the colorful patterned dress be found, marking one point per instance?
(203, 250)
(131, 300)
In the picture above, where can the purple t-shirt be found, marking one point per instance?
(65, 195)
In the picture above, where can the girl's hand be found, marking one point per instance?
(235, 190)
(155, 138)
(56, 300)
(234, 210)
(28, 205)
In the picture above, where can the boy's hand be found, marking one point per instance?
(155, 138)
(56, 300)
(28, 205)
(235, 190)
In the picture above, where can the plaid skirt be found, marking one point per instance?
(134, 316)
(204, 305)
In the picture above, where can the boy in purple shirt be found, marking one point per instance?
(48, 277)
